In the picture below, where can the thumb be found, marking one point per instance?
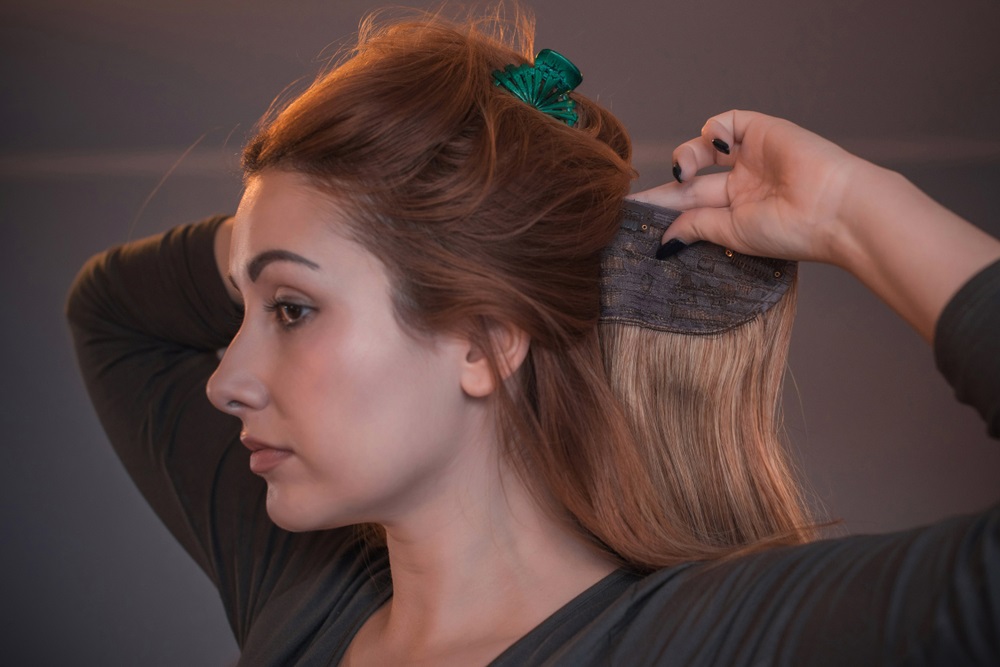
(698, 224)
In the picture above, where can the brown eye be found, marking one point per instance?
(288, 314)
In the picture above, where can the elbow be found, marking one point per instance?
(83, 299)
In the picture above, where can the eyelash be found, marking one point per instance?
(280, 310)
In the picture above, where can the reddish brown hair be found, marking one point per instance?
(484, 211)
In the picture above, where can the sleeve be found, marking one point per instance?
(967, 345)
(927, 596)
(148, 319)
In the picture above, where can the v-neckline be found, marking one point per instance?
(608, 587)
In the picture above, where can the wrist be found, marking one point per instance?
(869, 196)
(908, 249)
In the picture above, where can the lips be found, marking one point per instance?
(263, 457)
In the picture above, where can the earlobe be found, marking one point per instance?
(510, 345)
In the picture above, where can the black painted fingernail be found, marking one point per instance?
(721, 146)
(677, 172)
(670, 248)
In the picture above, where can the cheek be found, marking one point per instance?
(370, 398)
(375, 418)
(329, 408)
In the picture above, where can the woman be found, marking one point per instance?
(417, 255)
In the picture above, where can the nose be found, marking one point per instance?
(235, 386)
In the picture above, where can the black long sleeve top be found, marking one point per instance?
(148, 319)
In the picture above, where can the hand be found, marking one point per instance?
(794, 195)
(787, 194)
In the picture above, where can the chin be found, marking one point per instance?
(294, 519)
(289, 524)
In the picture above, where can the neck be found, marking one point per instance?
(488, 563)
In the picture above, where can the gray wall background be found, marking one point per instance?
(102, 97)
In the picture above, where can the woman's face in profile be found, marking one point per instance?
(353, 418)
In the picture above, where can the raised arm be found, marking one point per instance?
(147, 320)
(795, 195)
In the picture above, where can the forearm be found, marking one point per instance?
(908, 249)
(164, 288)
(146, 319)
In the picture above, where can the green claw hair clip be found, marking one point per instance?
(544, 85)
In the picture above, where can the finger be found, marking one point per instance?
(730, 126)
(709, 190)
(702, 224)
(717, 134)
(718, 144)
(692, 156)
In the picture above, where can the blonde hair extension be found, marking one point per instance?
(705, 411)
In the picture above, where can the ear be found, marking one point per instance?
(511, 347)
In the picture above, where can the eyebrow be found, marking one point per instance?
(258, 263)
